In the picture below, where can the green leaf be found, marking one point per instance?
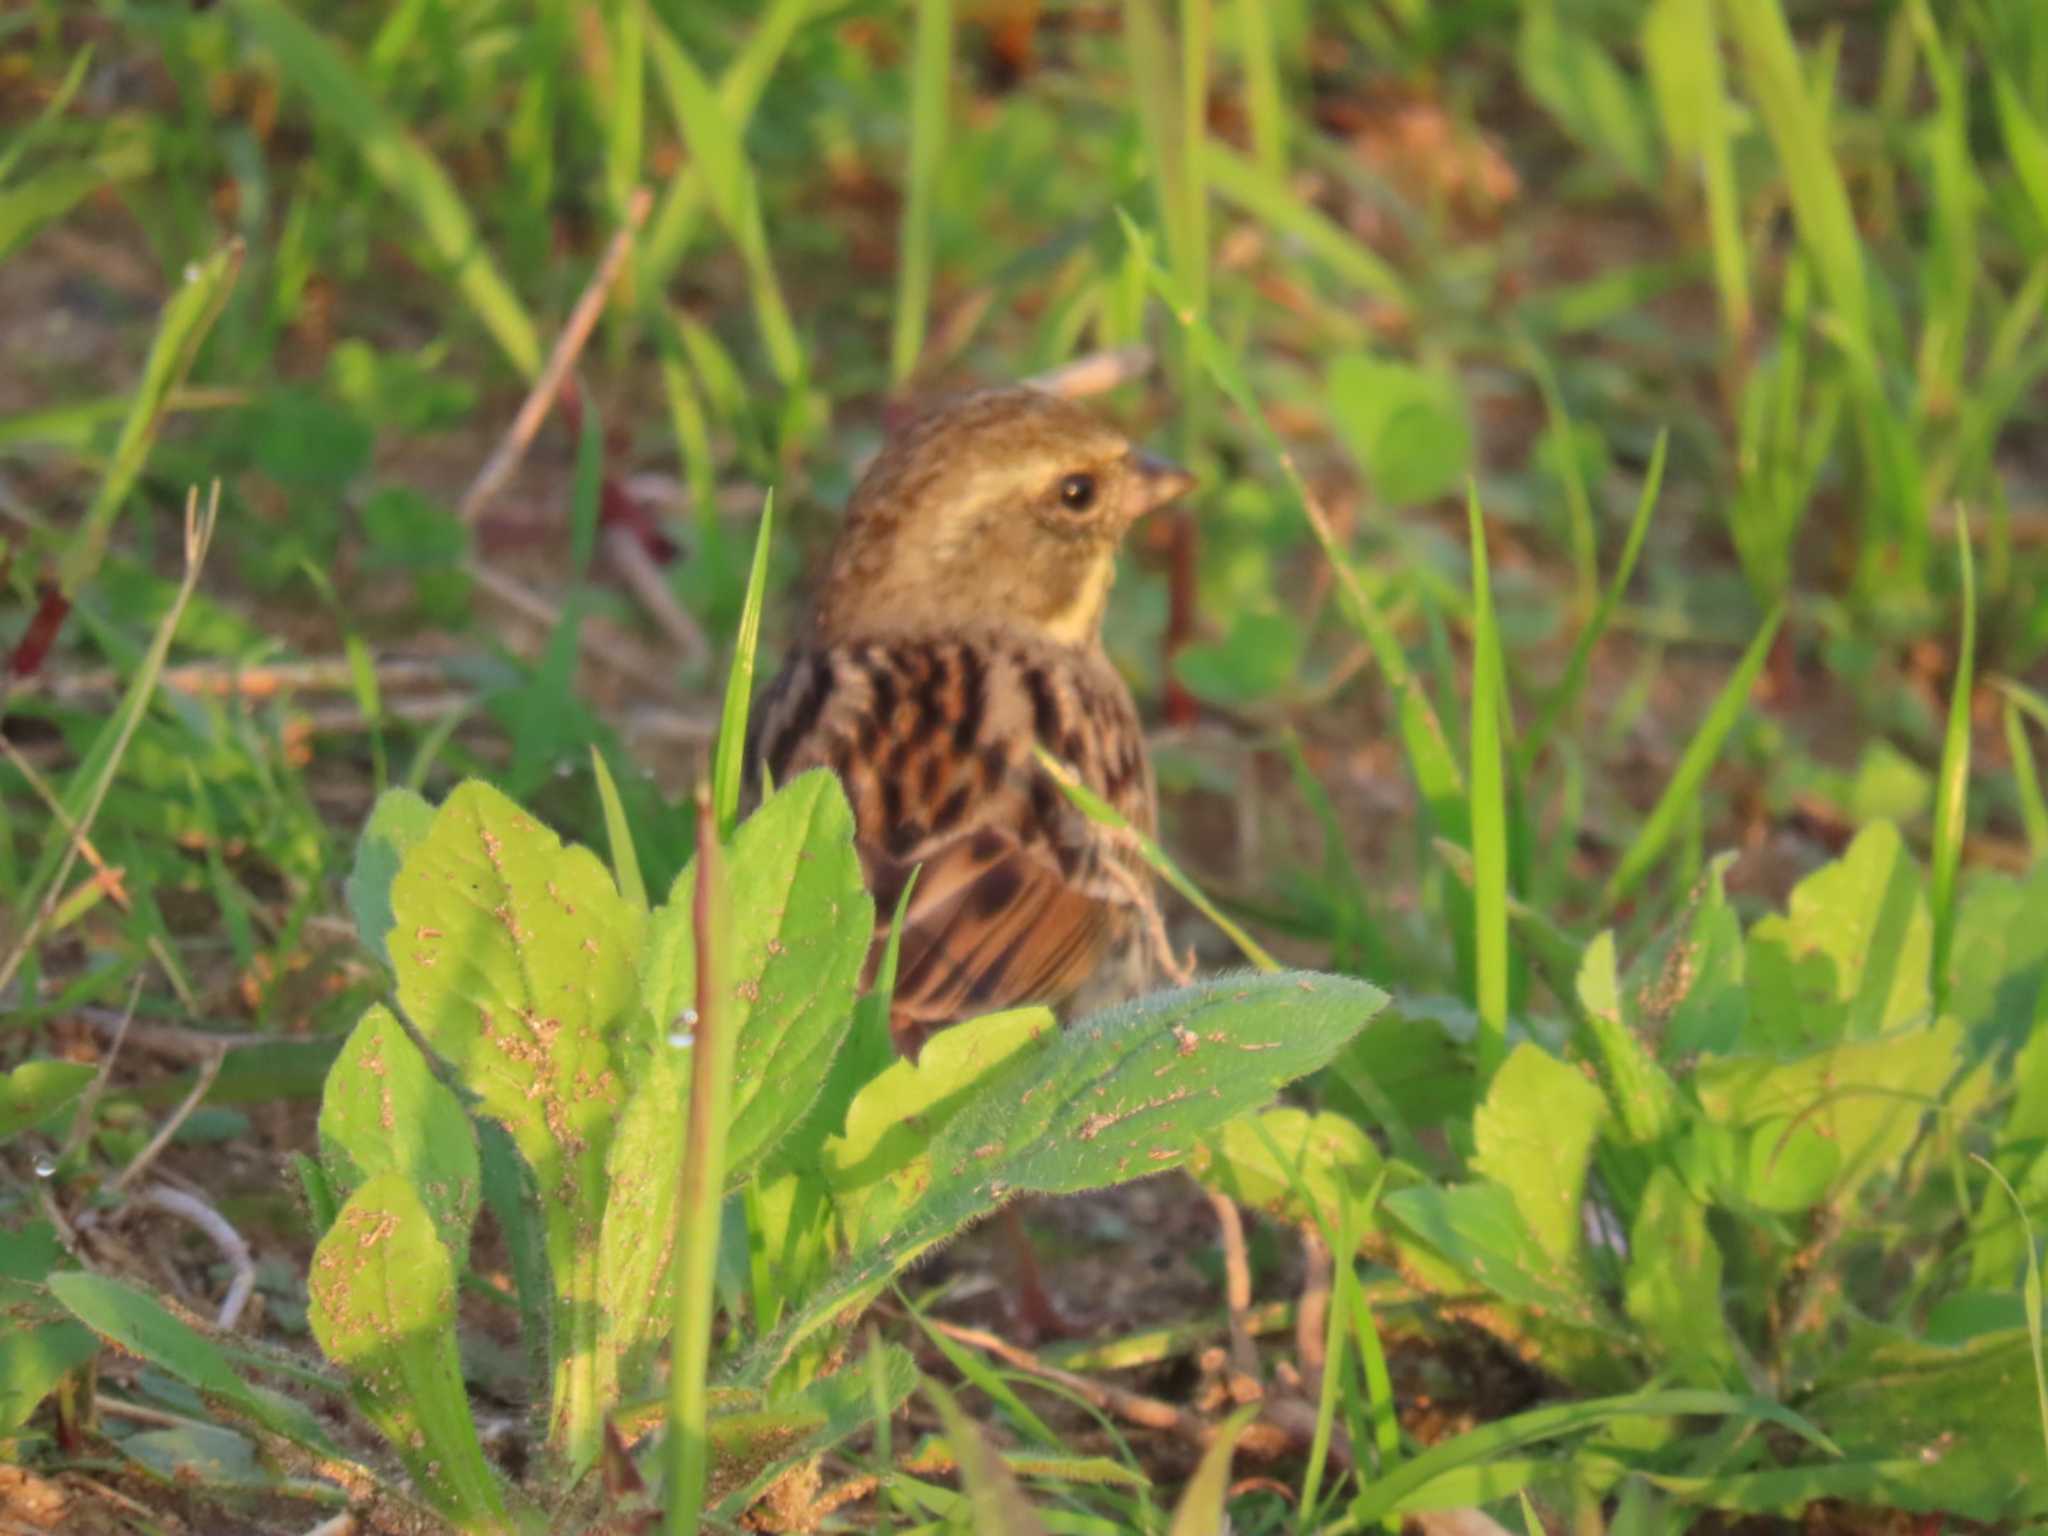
(1849, 959)
(1259, 658)
(2001, 958)
(1687, 987)
(382, 1304)
(37, 1090)
(1585, 90)
(729, 764)
(516, 963)
(1834, 1116)
(1405, 426)
(1673, 1287)
(1967, 1416)
(304, 441)
(384, 1112)
(398, 821)
(37, 1351)
(201, 1455)
(135, 1321)
(802, 922)
(1534, 1136)
(1644, 1100)
(1293, 1165)
(1116, 1096)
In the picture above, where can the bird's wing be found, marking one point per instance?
(932, 743)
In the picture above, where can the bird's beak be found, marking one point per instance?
(1158, 482)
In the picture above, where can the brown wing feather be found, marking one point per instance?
(931, 740)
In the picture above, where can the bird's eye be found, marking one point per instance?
(1077, 492)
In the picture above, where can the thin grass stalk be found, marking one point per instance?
(1565, 696)
(1951, 805)
(931, 58)
(1488, 811)
(1690, 775)
(703, 1178)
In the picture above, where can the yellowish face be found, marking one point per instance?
(1003, 506)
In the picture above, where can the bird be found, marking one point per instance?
(958, 626)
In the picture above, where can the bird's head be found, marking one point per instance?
(1002, 506)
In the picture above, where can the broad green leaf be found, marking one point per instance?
(1849, 958)
(1839, 1115)
(1968, 1416)
(1293, 1165)
(2001, 958)
(636, 1242)
(134, 1321)
(384, 1112)
(39, 1347)
(1534, 1137)
(1478, 1231)
(398, 821)
(1259, 658)
(516, 960)
(802, 922)
(1405, 426)
(1673, 1287)
(201, 1455)
(36, 1090)
(1115, 1096)
(382, 1304)
(894, 1117)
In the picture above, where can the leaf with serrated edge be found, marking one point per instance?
(515, 961)
(802, 921)
(381, 1296)
(383, 1112)
(1113, 1097)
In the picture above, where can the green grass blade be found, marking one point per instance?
(341, 97)
(1951, 802)
(930, 75)
(2030, 1296)
(1263, 99)
(1565, 697)
(618, 833)
(187, 318)
(729, 766)
(2027, 782)
(1488, 810)
(1665, 817)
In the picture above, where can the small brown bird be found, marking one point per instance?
(959, 622)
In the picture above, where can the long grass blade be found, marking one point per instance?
(1699, 756)
(2027, 782)
(930, 75)
(187, 318)
(1488, 810)
(1951, 802)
